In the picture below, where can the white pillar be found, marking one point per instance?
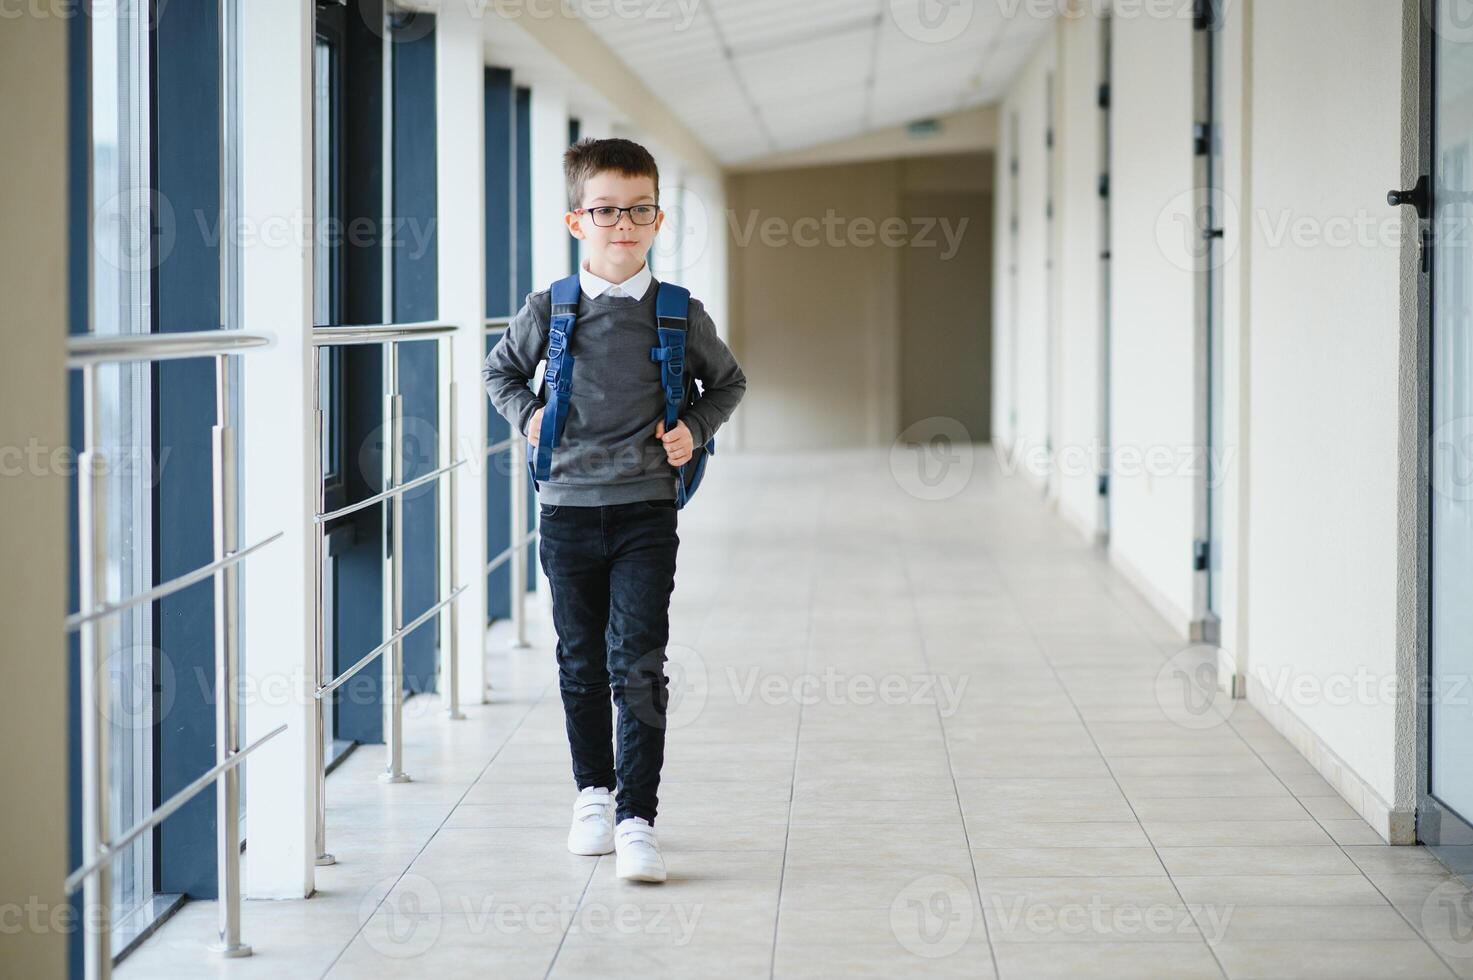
(460, 92)
(549, 234)
(549, 190)
(277, 440)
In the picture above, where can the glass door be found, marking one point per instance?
(1448, 805)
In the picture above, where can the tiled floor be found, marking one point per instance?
(908, 737)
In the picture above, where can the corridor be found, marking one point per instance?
(908, 736)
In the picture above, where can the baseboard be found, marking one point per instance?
(1393, 825)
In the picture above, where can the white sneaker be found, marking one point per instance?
(593, 822)
(638, 852)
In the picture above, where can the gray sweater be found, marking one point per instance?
(608, 452)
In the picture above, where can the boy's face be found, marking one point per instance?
(617, 252)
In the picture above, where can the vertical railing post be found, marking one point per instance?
(227, 659)
(91, 582)
(394, 656)
(452, 673)
(518, 559)
(319, 640)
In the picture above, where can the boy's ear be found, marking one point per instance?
(575, 225)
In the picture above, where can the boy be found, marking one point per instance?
(607, 512)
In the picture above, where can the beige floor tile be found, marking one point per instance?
(1330, 959)
(1055, 861)
(1270, 889)
(1230, 923)
(883, 961)
(1386, 859)
(1190, 960)
(738, 962)
(1199, 833)
(1352, 831)
(1116, 833)
(1321, 859)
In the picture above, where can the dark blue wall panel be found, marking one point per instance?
(186, 163)
(524, 262)
(415, 270)
(358, 597)
(500, 238)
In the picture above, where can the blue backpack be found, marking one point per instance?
(671, 306)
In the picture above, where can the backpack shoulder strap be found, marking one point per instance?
(672, 307)
(559, 376)
(672, 303)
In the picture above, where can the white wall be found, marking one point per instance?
(1077, 214)
(1153, 394)
(1022, 306)
(1325, 370)
(1320, 507)
(1154, 349)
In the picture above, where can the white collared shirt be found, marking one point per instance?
(595, 286)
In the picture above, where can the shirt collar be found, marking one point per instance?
(595, 286)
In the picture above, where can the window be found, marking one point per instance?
(121, 264)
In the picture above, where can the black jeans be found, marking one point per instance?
(612, 570)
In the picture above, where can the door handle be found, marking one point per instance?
(1417, 197)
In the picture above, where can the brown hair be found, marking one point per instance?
(588, 157)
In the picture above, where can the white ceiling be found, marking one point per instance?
(754, 77)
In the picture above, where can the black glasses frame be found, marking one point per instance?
(620, 214)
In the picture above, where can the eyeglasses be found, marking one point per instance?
(606, 216)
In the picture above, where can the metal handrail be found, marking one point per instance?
(386, 494)
(518, 447)
(93, 349)
(88, 354)
(400, 634)
(505, 553)
(378, 333)
(390, 336)
(77, 620)
(115, 847)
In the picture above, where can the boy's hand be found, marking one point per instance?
(679, 443)
(534, 427)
